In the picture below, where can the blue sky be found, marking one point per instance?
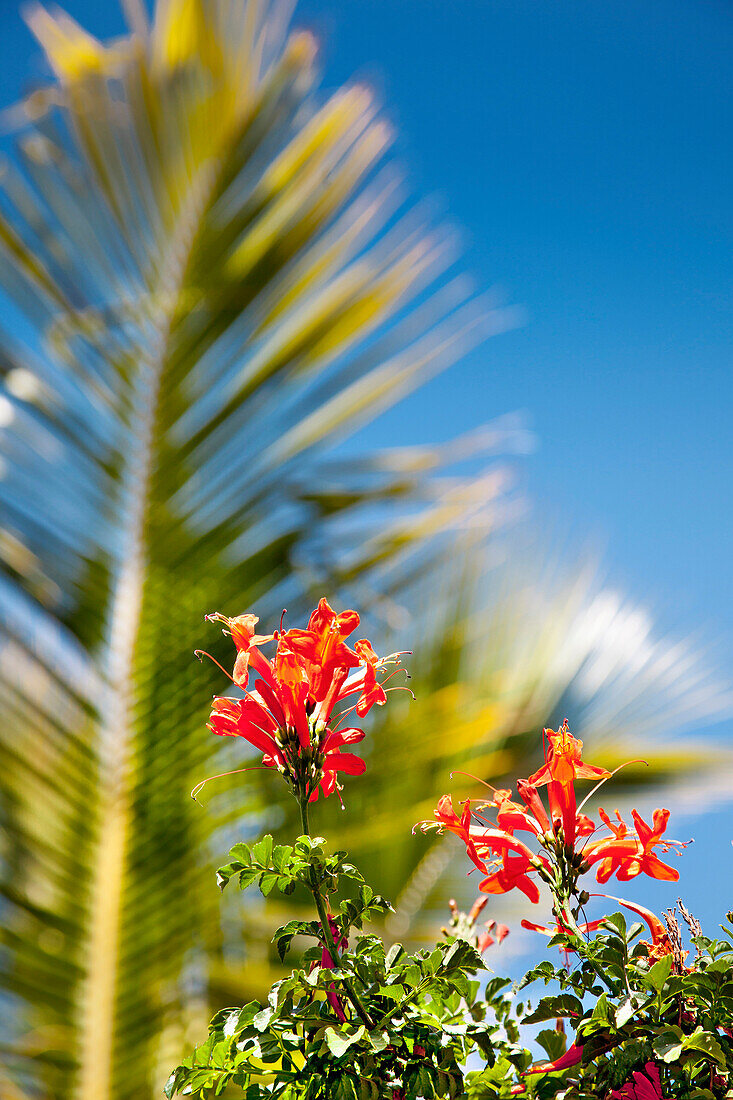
(585, 151)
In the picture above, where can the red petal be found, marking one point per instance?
(337, 738)
(571, 1057)
(344, 762)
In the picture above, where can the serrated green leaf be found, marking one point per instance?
(268, 882)
(281, 854)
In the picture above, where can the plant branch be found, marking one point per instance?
(327, 933)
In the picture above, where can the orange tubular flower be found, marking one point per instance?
(629, 854)
(563, 765)
(487, 940)
(505, 861)
(572, 1056)
(322, 648)
(563, 762)
(551, 930)
(242, 629)
(508, 863)
(660, 944)
(509, 872)
(287, 713)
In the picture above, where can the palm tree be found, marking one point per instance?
(209, 281)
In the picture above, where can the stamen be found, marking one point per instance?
(340, 718)
(201, 653)
(475, 779)
(237, 771)
(399, 687)
(600, 782)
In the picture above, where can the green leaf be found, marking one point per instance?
(340, 1041)
(281, 854)
(262, 851)
(601, 1012)
(247, 877)
(394, 954)
(668, 1045)
(262, 1018)
(549, 1008)
(378, 1041)
(659, 972)
(707, 1043)
(626, 1010)
(392, 992)
(268, 881)
(461, 955)
(552, 1042)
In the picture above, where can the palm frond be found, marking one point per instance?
(209, 277)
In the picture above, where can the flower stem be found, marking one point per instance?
(327, 933)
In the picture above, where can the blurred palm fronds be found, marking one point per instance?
(209, 277)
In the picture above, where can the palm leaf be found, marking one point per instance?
(208, 280)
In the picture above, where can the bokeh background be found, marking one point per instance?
(572, 162)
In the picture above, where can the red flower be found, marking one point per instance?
(486, 939)
(509, 863)
(563, 763)
(660, 937)
(642, 1086)
(321, 648)
(335, 760)
(288, 712)
(246, 718)
(572, 1056)
(242, 630)
(510, 871)
(628, 854)
(551, 930)
(371, 690)
(445, 815)
(650, 837)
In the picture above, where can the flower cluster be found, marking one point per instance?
(289, 712)
(563, 834)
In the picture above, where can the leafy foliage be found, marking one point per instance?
(207, 284)
(626, 1009)
(422, 1012)
(207, 280)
